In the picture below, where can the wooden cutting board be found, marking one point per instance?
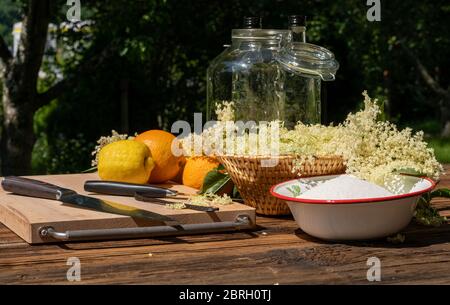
(26, 215)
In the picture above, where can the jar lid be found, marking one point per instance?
(260, 34)
(309, 59)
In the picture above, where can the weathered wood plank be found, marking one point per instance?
(273, 258)
(265, 264)
(277, 253)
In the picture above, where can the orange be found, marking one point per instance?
(196, 169)
(167, 165)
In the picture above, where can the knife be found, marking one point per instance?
(39, 189)
(140, 192)
(126, 189)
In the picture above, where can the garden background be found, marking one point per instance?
(150, 58)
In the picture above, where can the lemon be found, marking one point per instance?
(125, 161)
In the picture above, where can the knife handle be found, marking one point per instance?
(125, 189)
(33, 188)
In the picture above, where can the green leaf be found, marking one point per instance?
(295, 190)
(441, 193)
(214, 181)
(426, 214)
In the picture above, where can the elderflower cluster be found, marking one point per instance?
(210, 199)
(374, 150)
(207, 199)
(211, 140)
(234, 138)
(225, 111)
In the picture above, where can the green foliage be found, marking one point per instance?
(215, 180)
(445, 193)
(441, 148)
(58, 154)
(61, 155)
(162, 49)
(426, 214)
(429, 127)
(40, 122)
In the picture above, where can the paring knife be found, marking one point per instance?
(39, 189)
(140, 192)
(126, 189)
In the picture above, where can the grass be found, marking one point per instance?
(441, 149)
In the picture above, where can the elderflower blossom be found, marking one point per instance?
(234, 138)
(103, 141)
(208, 199)
(372, 150)
(376, 151)
(210, 141)
(225, 111)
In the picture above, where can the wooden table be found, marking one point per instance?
(277, 253)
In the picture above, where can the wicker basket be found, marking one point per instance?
(254, 181)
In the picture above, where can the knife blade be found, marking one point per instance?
(126, 189)
(35, 188)
(141, 192)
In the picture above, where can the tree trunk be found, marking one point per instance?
(17, 137)
(20, 97)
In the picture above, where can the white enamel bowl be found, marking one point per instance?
(356, 219)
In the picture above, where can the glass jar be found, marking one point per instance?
(269, 77)
(305, 66)
(248, 74)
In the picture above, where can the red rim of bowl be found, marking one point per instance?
(348, 201)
